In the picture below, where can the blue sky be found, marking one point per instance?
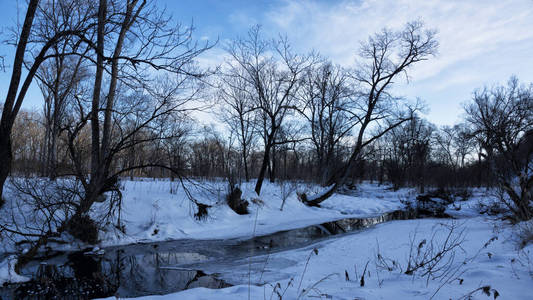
(482, 42)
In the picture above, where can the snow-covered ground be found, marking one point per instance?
(7, 271)
(488, 260)
(159, 210)
(152, 213)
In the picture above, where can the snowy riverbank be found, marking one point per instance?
(487, 258)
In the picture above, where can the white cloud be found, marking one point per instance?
(212, 58)
(466, 28)
(481, 42)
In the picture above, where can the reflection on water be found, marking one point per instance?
(167, 267)
(80, 276)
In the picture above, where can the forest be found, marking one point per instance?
(137, 142)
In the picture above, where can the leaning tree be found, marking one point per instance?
(46, 25)
(144, 77)
(384, 58)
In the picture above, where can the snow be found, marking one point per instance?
(500, 265)
(490, 249)
(159, 210)
(7, 271)
(152, 213)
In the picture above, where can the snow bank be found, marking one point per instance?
(7, 271)
(335, 273)
(160, 210)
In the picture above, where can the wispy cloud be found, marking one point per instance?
(465, 28)
(481, 41)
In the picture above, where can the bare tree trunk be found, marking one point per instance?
(45, 153)
(262, 171)
(246, 174)
(244, 147)
(90, 193)
(273, 166)
(101, 156)
(52, 163)
(5, 158)
(10, 110)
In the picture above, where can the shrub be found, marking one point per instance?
(201, 214)
(83, 228)
(525, 233)
(235, 202)
(463, 194)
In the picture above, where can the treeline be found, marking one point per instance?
(416, 153)
(121, 82)
(287, 116)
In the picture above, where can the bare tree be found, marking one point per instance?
(454, 144)
(210, 155)
(326, 97)
(409, 153)
(12, 103)
(238, 111)
(34, 43)
(502, 120)
(271, 71)
(127, 106)
(59, 80)
(444, 150)
(27, 139)
(132, 39)
(384, 58)
(175, 146)
(288, 136)
(463, 143)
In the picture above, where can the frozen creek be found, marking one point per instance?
(169, 267)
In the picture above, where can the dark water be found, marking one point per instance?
(167, 267)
